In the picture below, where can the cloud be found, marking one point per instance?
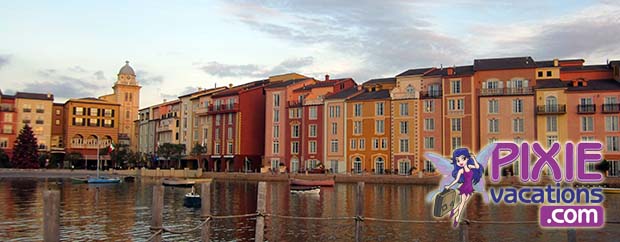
(253, 70)
(146, 78)
(99, 75)
(67, 84)
(4, 60)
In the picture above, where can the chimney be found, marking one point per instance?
(326, 77)
(450, 71)
(49, 95)
(230, 85)
(165, 100)
(556, 62)
(199, 88)
(441, 66)
(359, 88)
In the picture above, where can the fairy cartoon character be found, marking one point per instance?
(463, 169)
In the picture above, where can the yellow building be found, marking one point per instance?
(35, 110)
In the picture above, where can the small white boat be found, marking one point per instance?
(192, 199)
(305, 190)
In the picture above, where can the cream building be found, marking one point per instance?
(35, 110)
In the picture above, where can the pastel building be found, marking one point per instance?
(35, 110)
(335, 110)
(459, 110)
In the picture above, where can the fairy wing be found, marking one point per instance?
(483, 159)
(445, 167)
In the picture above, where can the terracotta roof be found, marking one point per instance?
(593, 85)
(435, 72)
(413, 72)
(504, 63)
(344, 93)
(551, 83)
(318, 84)
(380, 80)
(459, 70)
(381, 94)
(549, 63)
(585, 68)
(236, 89)
(30, 95)
(286, 83)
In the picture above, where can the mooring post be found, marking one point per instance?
(359, 211)
(572, 235)
(51, 215)
(205, 199)
(463, 231)
(260, 209)
(158, 211)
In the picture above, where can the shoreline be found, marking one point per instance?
(612, 182)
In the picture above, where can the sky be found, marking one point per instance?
(75, 48)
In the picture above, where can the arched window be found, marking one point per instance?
(403, 167)
(379, 165)
(77, 141)
(410, 90)
(294, 165)
(92, 141)
(107, 140)
(357, 165)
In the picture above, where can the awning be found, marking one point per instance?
(216, 156)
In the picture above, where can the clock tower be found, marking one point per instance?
(127, 94)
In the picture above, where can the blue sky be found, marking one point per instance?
(75, 48)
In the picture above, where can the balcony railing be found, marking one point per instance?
(430, 94)
(224, 108)
(551, 109)
(611, 108)
(295, 104)
(40, 110)
(506, 91)
(586, 108)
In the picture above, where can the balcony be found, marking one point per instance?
(586, 108)
(223, 108)
(202, 110)
(611, 108)
(295, 104)
(5, 108)
(430, 94)
(551, 109)
(506, 91)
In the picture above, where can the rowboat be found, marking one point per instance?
(305, 190)
(323, 183)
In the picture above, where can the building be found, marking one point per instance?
(147, 131)
(8, 123)
(459, 110)
(127, 95)
(35, 110)
(202, 124)
(335, 128)
(369, 127)
(59, 124)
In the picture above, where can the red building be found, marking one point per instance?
(238, 118)
(8, 123)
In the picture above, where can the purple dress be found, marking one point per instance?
(467, 187)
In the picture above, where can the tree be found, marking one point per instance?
(171, 151)
(4, 160)
(25, 151)
(197, 152)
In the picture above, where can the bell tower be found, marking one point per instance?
(127, 94)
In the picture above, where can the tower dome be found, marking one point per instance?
(126, 69)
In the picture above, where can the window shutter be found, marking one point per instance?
(74, 112)
(74, 118)
(509, 84)
(87, 111)
(500, 84)
(98, 112)
(484, 85)
(112, 112)
(112, 126)
(525, 83)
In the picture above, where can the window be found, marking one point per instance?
(429, 143)
(230, 148)
(312, 147)
(95, 112)
(7, 129)
(403, 167)
(357, 127)
(383, 143)
(611, 100)
(294, 113)
(404, 145)
(375, 144)
(410, 90)
(428, 166)
(551, 139)
(493, 106)
(493, 125)
(27, 108)
(78, 111)
(456, 142)
(353, 144)
(106, 123)
(312, 113)
(357, 110)
(4, 142)
(230, 118)
(78, 121)
(8, 117)
(276, 100)
(379, 127)
(379, 108)
(334, 128)
(57, 111)
(540, 74)
(334, 111)
(108, 113)
(587, 124)
(429, 106)
(429, 124)
(217, 133)
(455, 86)
(517, 106)
(552, 123)
(587, 138)
(362, 144)
(334, 145)
(518, 125)
(127, 114)
(613, 143)
(276, 131)
(549, 73)
(218, 119)
(295, 131)
(294, 147)
(357, 165)
(456, 104)
(404, 127)
(491, 84)
(312, 130)
(337, 111)
(276, 115)
(276, 147)
(229, 133)
(611, 123)
(404, 109)
(379, 165)
(455, 123)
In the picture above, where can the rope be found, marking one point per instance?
(159, 231)
(403, 221)
(309, 218)
(189, 230)
(235, 216)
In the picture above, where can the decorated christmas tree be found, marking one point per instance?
(25, 151)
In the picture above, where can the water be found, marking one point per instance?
(122, 213)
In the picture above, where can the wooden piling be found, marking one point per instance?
(260, 208)
(205, 199)
(463, 232)
(158, 211)
(572, 235)
(359, 211)
(51, 215)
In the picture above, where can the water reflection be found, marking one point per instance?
(122, 212)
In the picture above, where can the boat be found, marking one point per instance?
(79, 180)
(192, 199)
(305, 189)
(176, 182)
(102, 179)
(323, 183)
(129, 179)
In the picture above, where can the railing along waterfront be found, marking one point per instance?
(51, 219)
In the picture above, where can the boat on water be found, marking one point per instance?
(305, 189)
(129, 179)
(102, 180)
(323, 183)
(192, 199)
(176, 182)
(79, 180)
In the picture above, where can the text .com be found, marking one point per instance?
(572, 216)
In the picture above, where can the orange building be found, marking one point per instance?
(459, 110)
(335, 127)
